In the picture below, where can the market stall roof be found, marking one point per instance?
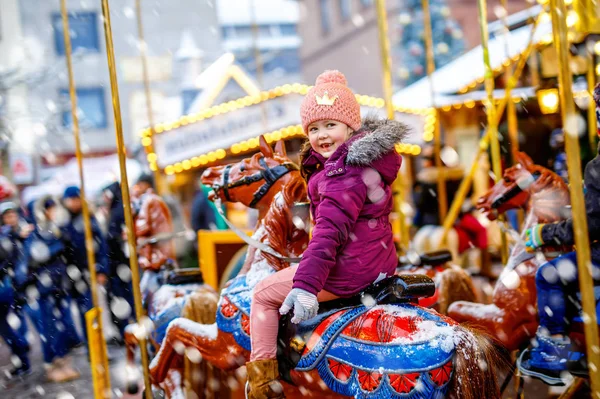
(98, 173)
(200, 139)
(465, 72)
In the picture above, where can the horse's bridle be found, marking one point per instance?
(269, 175)
(520, 186)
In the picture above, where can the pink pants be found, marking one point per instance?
(268, 297)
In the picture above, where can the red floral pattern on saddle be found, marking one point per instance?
(381, 326)
(228, 309)
(441, 375)
(404, 383)
(369, 380)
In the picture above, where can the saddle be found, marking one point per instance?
(430, 259)
(292, 338)
(184, 276)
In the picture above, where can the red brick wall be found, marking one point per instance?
(466, 13)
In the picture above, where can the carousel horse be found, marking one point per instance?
(512, 315)
(180, 293)
(378, 344)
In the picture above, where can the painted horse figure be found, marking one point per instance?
(376, 345)
(512, 316)
(167, 292)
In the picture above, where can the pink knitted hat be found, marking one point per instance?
(330, 98)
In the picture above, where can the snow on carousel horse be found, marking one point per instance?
(167, 291)
(378, 344)
(512, 316)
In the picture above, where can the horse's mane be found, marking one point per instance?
(283, 235)
(549, 194)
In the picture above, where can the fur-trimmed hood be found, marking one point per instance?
(376, 138)
(372, 146)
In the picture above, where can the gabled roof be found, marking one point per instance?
(214, 78)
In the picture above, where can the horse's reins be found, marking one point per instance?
(270, 176)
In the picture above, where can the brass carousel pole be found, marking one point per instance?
(121, 151)
(442, 196)
(511, 110)
(591, 114)
(580, 228)
(158, 176)
(491, 110)
(386, 61)
(96, 342)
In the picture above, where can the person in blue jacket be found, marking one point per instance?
(13, 327)
(73, 235)
(118, 260)
(49, 304)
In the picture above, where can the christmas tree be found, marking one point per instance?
(408, 45)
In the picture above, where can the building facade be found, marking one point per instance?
(172, 29)
(343, 34)
(265, 27)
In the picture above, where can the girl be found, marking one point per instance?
(350, 166)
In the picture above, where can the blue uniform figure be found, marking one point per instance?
(119, 272)
(73, 236)
(12, 235)
(45, 271)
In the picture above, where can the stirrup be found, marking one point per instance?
(246, 389)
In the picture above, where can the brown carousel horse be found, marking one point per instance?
(512, 316)
(375, 345)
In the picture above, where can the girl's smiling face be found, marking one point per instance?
(327, 135)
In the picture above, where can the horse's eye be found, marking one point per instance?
(242, 167)
(507, 179)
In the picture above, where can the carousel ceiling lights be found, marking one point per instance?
(548, 100)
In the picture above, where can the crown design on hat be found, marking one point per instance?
(326, 100)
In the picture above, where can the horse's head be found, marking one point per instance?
(251, 180)
(519, 185)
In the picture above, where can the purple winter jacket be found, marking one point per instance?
(351, 200)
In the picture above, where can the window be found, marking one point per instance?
(187, 99)
(91, 108)
(366, 3)
(345, 9)
(288, 30)
(84, 32)
(325, 17)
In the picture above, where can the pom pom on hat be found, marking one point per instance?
(330, 99)
(331, 76)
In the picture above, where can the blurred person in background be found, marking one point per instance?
(119, 272)
(13, 327)
(49, 305)
(73, 235)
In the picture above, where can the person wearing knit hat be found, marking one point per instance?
(350, 165)
(557, 282)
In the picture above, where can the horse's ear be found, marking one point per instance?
(265, 148)
(280, 148)
(524, 160)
